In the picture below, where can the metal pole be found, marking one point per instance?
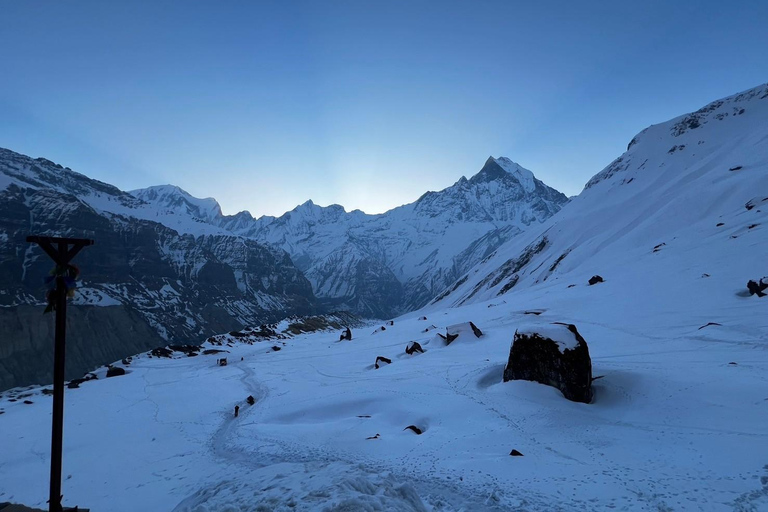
(58, 391)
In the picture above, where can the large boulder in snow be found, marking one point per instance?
(555, 355)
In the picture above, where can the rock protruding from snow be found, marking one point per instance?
(115, 371)
(413, 347)
(555, 355)
(464, 328)
(758, 287)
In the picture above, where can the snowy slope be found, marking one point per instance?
(674, 425)
(686, 207)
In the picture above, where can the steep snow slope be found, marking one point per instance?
(380, 265)
(686, 207)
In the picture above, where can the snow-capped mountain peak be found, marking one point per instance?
(175, 198)
(523, 175)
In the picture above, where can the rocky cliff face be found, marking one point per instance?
(183, 286)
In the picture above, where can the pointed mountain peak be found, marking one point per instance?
(502, 168)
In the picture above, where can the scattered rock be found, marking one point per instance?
(737, 168)
(655, 249)
(705, 275)
(555, 355)
(377, 436)
(754, 202)
(391, 322)
(383, 360)
(364, 416)
(448, 338)
(537, 313)
(413, 347)
(128, 360)
(595, 279)
(28, 402)
(275, 348)
(189, 350)
(162, 352)
(423, 318)
(719, 224)
(454, 331)
(346, 335)
(708, 324)
(733, 363)
(115, 371)
(416, 429)
(250, 400)
(210, 351)
(515, 453)
(571, 285)
(752, 226)
(758, 287)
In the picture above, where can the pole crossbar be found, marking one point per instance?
(58, 249)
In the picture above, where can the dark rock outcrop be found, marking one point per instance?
(381, 361)
(115, 371)
(595, 279)
(413, 347)
(161, 352)
(555, 355)
(758, 287)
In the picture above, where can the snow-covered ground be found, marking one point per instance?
(679, 422)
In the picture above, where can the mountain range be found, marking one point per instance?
(171, 268)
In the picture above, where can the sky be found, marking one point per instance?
(367, 104)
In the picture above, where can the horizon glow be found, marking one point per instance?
(367, 105)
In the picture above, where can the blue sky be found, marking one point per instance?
(263, 105)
